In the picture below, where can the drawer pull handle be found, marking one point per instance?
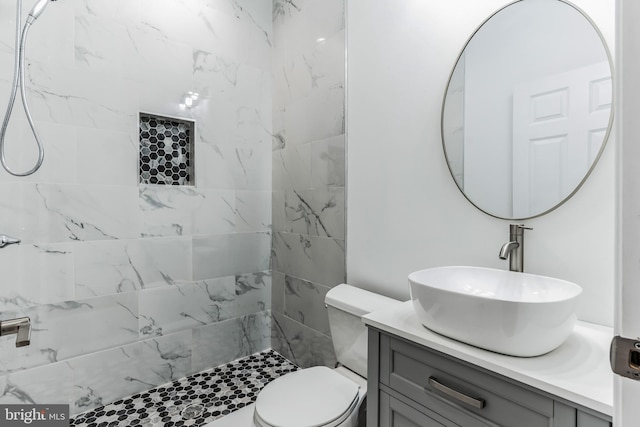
(473, 401)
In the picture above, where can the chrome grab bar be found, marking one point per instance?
(476, 402)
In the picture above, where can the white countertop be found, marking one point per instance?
(577, 371)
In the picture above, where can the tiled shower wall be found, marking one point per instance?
(129, 286)
(308, 174)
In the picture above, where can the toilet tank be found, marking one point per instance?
(345, 306)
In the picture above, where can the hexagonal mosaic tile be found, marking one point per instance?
(166, 150)
(195, 400)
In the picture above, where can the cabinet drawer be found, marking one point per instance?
(396, 409)
(396, 413)
(407, 368)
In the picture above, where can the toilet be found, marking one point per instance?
(320, 396)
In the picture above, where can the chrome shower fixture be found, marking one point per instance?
(37, 10)
(19, 70)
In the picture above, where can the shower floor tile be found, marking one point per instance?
(195, 400)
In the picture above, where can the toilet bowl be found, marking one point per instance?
(320, 396)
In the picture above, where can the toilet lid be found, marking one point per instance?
(310, 397)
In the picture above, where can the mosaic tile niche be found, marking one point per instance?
(166, 150)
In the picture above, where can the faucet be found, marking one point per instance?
(20, 326)
(514, 248)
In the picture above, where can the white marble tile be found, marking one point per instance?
(178, 20)
(109, 267)
(226, 255)
(102, 44)
(168, 210)
(46, 273)
(253, 167)
(124, 11)
(185, 306)
(212, 169)
(318, 259)
(59, 143)
(239, 115)
(252, 294)
(302, 345)
(292, 167)
(50, 40)
(301, 24)
(278, 217)
(175, 210)
(76, 97)
(49, 384)
(12, 303)
(320, 67)
(58, 213)
(258, 12)
(153, 51)
(327, 109)
(218, 72)
(215, 212)
(64, 330)
(101, 378)
(304, 302)
(328, 162)
(253, 211)
(36, 274)
(242, 36)
(277, 292)
(107, 157)
(165, 97)
(319, 212)
(229, 340)
(278, 138)
(167, 358)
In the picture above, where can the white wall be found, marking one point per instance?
(404, 211)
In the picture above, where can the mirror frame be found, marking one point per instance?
(604, 140)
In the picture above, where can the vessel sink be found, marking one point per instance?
(512, 313)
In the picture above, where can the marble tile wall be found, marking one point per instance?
(129, 286)
(308, 244)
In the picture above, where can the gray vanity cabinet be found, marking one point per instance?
(412, 386)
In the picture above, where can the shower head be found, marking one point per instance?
(37, 10)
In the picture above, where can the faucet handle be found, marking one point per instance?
(518, 229)
(7, 240)
(20, 326)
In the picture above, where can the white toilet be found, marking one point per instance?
(319, 396)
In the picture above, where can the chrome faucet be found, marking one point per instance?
(514, 248)
(20, 326)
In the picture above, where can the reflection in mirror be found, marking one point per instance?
(527, 109)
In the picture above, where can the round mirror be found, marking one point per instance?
(528, 108)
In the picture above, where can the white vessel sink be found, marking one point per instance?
(517, 314)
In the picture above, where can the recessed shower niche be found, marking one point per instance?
(166, 150)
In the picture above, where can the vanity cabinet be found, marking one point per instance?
(413, 386)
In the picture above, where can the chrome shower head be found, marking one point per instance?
(37, 10)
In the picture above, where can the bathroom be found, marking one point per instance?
(132, 285)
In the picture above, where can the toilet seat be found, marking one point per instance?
(311, 397)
